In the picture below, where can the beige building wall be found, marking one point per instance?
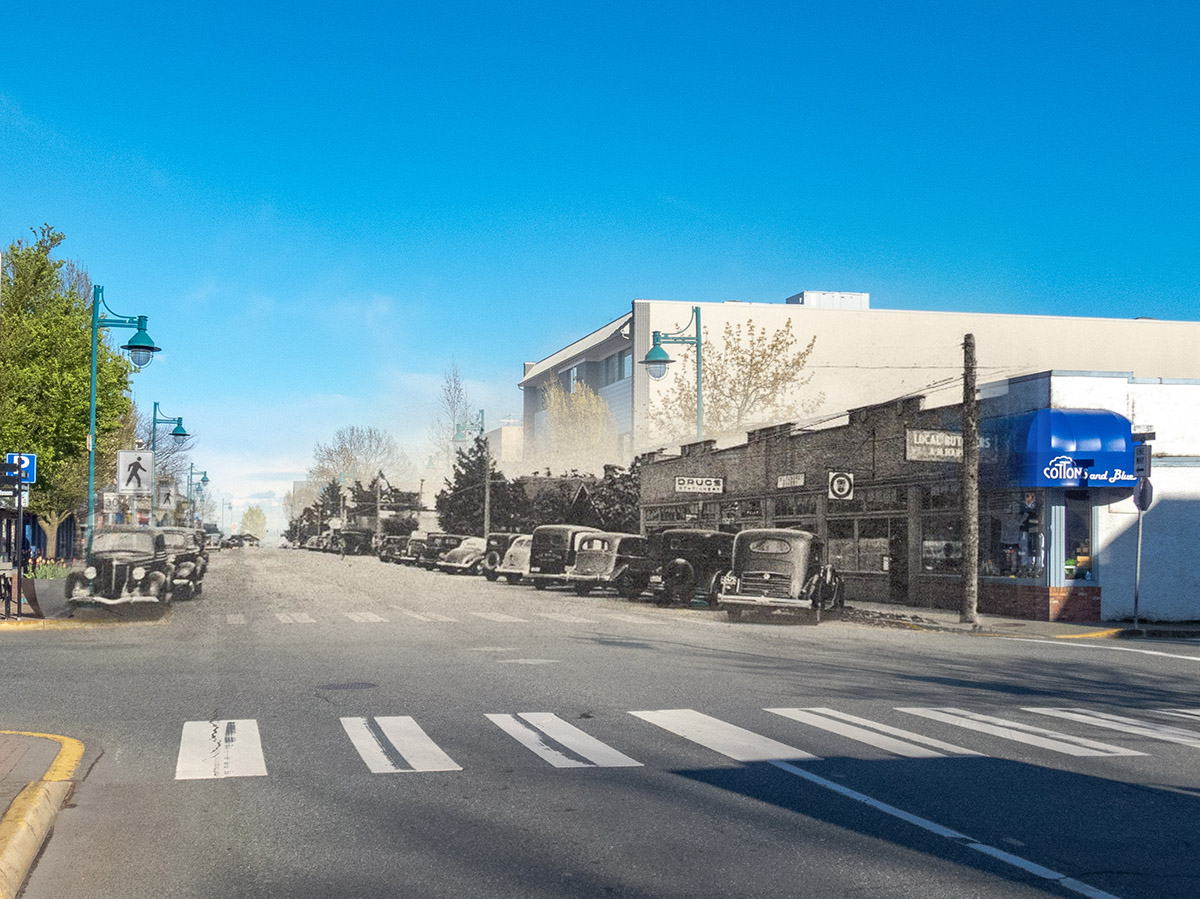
(866, 356)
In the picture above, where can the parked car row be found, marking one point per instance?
(138, 564)
(761, 569)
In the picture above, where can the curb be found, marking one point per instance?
(27, 822)
(64, 624)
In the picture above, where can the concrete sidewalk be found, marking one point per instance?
(920, 618)
(36, 772)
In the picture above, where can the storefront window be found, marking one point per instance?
(1010, 534)
(793, 506)
(1079, 535)
(872, 543)
(841, 545)
(941, 544)
(944, 496)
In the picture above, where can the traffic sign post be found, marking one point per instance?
(1143, 496)
(26, 464)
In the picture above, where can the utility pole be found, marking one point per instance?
(379, 509)
(969, 613)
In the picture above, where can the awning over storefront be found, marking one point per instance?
(1061, 448)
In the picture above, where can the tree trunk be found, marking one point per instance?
(50, 522)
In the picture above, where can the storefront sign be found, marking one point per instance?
(937, 446)
(699, 485)
(789, 480)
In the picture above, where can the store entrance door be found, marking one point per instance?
(898, 560)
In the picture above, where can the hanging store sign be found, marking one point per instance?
(699, 485)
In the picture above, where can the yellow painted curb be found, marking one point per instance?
(1111, 632)
(66, 624)
(25, 825)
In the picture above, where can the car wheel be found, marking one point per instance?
(490, 574)
(734, 614)
(583, 589)
(513, 578)
(539, 585)
(630, 588)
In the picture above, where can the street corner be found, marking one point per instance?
(90, 616)
(46, 765)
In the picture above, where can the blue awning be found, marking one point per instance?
(1061, 448)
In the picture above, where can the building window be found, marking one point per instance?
(1010, 534)
(1079, 536)
(941, 544)
(625, 364)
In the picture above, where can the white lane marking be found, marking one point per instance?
(730, 740)
(235, 619)
(527, 661)
(364, 617)
(1126, 725)
(225, 748)
(415, 615)
(1068, 883)
(881, 736)
(1076, 644)
(601, 755)
(1191, 714)
(569, 619)
(295, 618)
(491, 649)
(1021, 733)
(498, 616)
(437, 616)
(636, 619)
(533, 741)
(405, 736)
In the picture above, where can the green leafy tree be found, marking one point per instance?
(616, 498)
(254, 521)
(45, 372)
(752, 377)
(459, 504)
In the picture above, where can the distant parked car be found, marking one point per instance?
(775, 568)
(497, 545)
(466, 558)
(620, 561)
(437, 545)
(233, 541)
(392, 548)
(355, 542)
(515, 565)
(128, 564)
(188, 557)
(691, 562)
(553, 552)
(413, 550)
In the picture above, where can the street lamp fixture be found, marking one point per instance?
(141, 351)
(201, 482)
(178, 434)
(657, 360)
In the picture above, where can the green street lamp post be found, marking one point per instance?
(460, 434)
(202, 481)
(178, 434)
(657, 360)
(141, 351)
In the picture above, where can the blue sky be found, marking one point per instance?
(320, 208)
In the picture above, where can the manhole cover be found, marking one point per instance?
(353, 685)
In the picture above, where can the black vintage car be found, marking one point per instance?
(412, 551)
(690, 562)
(552, 552)
(354, 541)
(497, 545)
(392, 548)
(436, 546)
(620, 561)
(776, 568)
(128, 564)
(190, 561)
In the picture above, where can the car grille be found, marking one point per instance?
(762, 583)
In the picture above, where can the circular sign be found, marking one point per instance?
(841, 485)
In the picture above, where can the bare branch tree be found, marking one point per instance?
(454, 407)
(359, 454)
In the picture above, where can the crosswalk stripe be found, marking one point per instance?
(235, 619)
(569, 619)
(730, 740)
(225, 748)
(437, 616)
(500, 617)
(1021, 733)
(1126, 725)
(295, 618)
(600, 754)
(636, 619)
(1191, 714)
(364, 617)
(873, 733)
(416, 615)
(402, 734)
(532, 740)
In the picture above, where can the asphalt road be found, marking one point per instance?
(315, 726)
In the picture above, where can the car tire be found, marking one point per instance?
(582, 589)
(734, 614)
(540, 585)
(513, 579)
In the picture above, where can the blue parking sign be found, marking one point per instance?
(27, 462)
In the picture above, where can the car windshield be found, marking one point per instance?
(595, 543)
(175, 540)
(123, 541)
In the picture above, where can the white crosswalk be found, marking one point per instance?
(226, 748)
(406, 616)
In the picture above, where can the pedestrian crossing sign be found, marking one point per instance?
(133, 472)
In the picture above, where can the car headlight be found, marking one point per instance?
(138, 573)
(90, 572)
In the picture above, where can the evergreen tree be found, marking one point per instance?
(459, 504)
